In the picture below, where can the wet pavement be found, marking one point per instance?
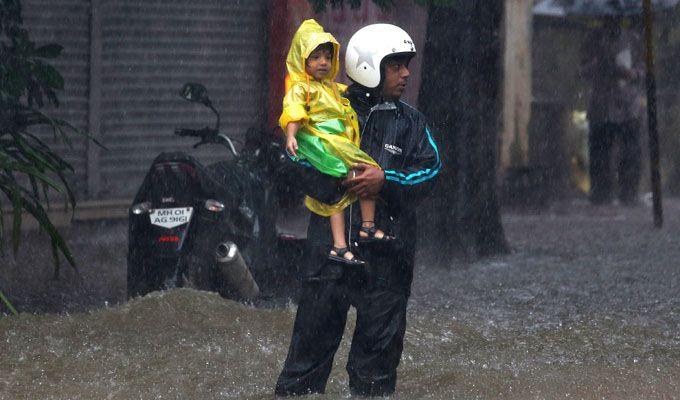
(586, 306)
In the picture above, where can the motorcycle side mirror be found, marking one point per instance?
(195, 92)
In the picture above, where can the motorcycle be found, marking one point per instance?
(212, 227)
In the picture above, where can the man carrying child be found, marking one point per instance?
(398, 138)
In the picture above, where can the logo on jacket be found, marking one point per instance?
(392, 149)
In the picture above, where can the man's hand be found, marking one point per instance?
(364, 180)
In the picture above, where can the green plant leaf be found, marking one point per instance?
(8, 184)
(45, 187)
(39, 213)
(52, 97)
(52, 50)
(69, 193)
(55, 257)
(58, 129)
(14, 83)
(29, 168)
(49, 75)
(2, 231)
(7, 303)
(34, 186)
(32, 172)
(34, 95)
(16, 225)
(87, 135)
(36, 117)
(39, 156)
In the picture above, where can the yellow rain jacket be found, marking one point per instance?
(328, 137)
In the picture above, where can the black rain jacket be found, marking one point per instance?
(397, 136)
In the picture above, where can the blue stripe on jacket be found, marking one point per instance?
(420, 176)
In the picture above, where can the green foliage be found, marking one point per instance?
(8, 304)
(29, 168)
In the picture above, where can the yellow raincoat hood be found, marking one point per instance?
(307, 38)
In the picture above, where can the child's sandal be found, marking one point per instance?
(370, 234)
(339, 256)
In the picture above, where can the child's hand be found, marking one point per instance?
(291, 142)
(291, 145)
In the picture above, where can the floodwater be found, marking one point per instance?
(587, 306)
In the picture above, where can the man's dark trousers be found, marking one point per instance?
(602, 137)
(320, 323)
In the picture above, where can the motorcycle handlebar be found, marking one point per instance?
(203, 134)
(207, 135)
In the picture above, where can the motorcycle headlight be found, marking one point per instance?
(141, 208)
(213, 205)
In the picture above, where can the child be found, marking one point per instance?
(322, 130)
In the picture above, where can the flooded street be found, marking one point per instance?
(205, 121)
(587, 306)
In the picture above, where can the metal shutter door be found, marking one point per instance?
(150, 49)
(66, 22)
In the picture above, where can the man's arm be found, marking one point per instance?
(399, 186)
(416, 179)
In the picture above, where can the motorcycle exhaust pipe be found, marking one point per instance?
(235, 271)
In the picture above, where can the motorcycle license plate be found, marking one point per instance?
(171, 217)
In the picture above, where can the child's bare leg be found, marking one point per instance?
(338, 231)
(367, 207)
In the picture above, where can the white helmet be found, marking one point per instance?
(369, 46)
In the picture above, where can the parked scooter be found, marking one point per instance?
(211, 227)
